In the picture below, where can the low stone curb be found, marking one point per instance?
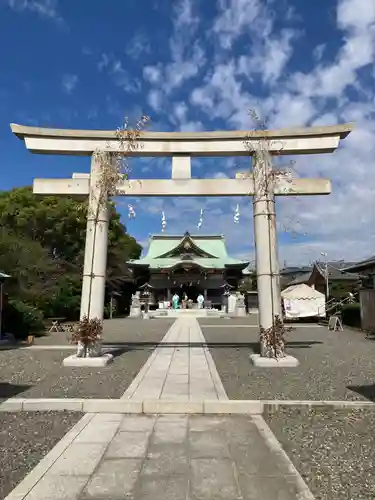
(304, 492)
(274, 406)
(173, 407)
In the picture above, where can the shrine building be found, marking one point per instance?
(190, 264)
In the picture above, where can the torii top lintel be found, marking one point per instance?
(310, 140)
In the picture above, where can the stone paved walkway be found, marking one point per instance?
(179, 369)
(167, 457)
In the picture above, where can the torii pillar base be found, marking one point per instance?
(263, 362)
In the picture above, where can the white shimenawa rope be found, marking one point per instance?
(131, 213)
(200, 222)
(163, 222)
(236, 217)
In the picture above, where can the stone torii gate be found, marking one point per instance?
(181, 146)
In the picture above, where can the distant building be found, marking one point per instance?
(367, 269)
(340, 278)
(341, 282)
(190, 264)
(294, 275)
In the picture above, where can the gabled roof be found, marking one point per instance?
(361, 265)
(188, 245)
(336, 270)
(303, 278)
(165, 251)
(295, 269)
(249, 269)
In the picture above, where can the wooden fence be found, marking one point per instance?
(367, 301)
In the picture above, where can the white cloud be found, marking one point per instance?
(187, 58)
(69, 82)
(342, 223)
(355, 14)
(237, 16)
(152, 73)
(120, 76)
(138, 46)
(44, 8)
(319, 52)
(357, 19)
(254, 64)
(155, 99)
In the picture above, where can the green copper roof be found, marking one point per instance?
(214, 246)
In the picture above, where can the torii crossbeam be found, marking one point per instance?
(80, 187)
(181, 147)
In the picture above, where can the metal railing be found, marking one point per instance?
(334, 303)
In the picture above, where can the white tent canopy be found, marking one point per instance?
(302, 301)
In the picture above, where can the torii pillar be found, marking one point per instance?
(96, 246)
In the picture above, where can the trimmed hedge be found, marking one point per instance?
(351, 315)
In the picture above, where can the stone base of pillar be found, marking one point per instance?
(98, 362)
(285, 362)
(240, 312)
(135, 312)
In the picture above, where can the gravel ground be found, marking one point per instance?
(25, 438)
(332, 449)
(333, 365)
(33, 373)
(40, 374)
(122, 330)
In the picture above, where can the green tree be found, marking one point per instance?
(59, 224)
(248, 284)
(33, 272)
(42, 242)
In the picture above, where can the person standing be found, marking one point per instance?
(200, 300)
(175, 301)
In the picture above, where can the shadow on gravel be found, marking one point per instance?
(10, 390)
(367, 391)
(123, 346)
(118, 351)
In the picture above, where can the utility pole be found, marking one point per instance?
(326, 273)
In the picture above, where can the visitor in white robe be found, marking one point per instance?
(200, 300)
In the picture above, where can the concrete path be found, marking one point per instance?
(168, 457)
(179, 369)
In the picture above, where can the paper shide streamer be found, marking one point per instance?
(236, 217)
(131, 212)
(163, 222)
(200, 222)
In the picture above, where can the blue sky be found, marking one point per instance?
(201, 66)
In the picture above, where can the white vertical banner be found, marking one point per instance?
(163, 222)
(200, 222)
(236, 217)
(131, 212)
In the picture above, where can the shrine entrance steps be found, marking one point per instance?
(187, 313)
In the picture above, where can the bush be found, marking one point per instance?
(22, 319)
(351, 315)
(65, 300)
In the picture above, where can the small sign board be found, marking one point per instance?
(335, 324)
